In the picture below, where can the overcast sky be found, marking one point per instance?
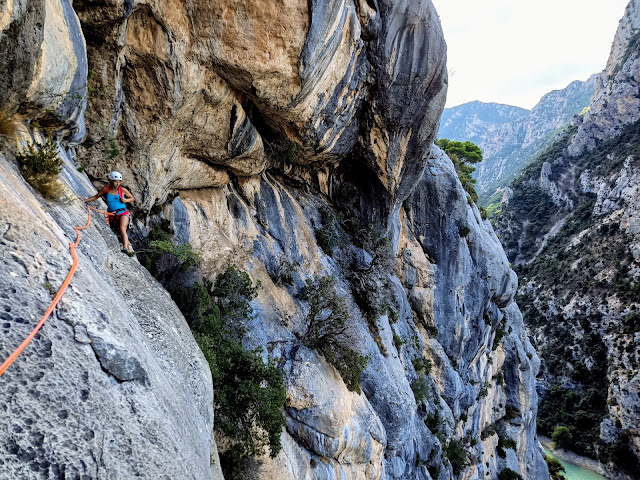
(513, 52)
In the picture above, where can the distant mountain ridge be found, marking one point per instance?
(510, 137)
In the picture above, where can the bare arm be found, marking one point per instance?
(96, 196)
(128, 198)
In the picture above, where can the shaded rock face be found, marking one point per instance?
(45, 64)
(244, 124)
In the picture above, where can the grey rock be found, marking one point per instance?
(70, 407)
(117, 361)
(616, 101)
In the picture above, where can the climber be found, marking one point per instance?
(116, 203)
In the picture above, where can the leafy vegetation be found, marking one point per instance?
(504, 442)
(620, 453)
(420, 388)
(249, 394)
(456, 455)
(165, 259)
(508, 474)
(40, 166)
(280, 147)
(463, 155)
(562, 436)
(327, 330)
(555, 468)
(328, 236)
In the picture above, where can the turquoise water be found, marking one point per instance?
(574, 472)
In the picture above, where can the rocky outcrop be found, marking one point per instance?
(188, 89)
(616, 101)
(249, 128)
(45, 64)
(511, 137)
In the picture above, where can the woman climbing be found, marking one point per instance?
(116, 203)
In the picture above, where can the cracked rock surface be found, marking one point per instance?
(108, 389)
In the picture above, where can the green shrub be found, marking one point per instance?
(398, 342)
(498, 338)
(184, 253)
(555, 468)
(420, 388)
(40, 166)
(166, 260)
(562, 436)
(422, 365)
(393, 314)
(328, 236)
(249, 394)
(508, 474)
(488, 432)
(112, 150)
(511, 412)
(504, 442)
(433, 422)
(327, 330)
(280, 147)
(456, 456)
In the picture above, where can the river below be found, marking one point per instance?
(575, 472)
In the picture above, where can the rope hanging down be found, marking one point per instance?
(65, 284)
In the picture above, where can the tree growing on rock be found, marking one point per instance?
(463, 155)
(327, 330)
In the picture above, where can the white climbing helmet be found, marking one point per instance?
(115, 176)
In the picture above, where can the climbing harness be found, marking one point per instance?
(65, 284)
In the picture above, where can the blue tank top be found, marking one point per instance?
(114, 203)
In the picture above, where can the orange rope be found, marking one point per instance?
(65, 284)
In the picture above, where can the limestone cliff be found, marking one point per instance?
(245, 126)
(571, 224)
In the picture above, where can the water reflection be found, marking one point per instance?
(575, 472)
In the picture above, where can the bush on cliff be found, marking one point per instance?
(165, 259)
(249, 394)
(327, 330)
(456, 456)
(40, 166)
(555, 468)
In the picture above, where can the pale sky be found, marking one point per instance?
(513, 52)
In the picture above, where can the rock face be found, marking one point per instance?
(572, 225)
(510, 137)
(114, 381)
(616, 101)
(246, 127)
